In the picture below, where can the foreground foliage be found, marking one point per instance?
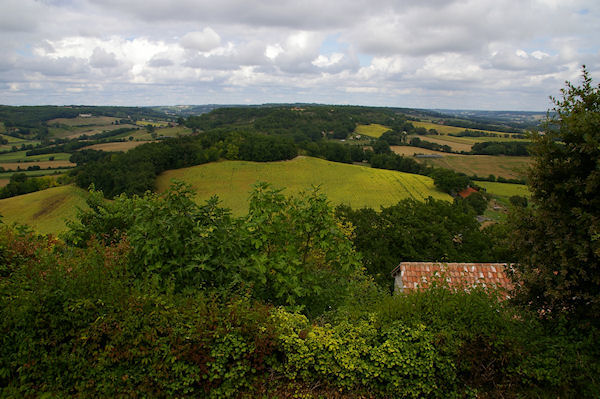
(155, 296)
(558, 240)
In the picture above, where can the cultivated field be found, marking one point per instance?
(4, 182)
(409, 151)
(116, 146)
(41, 164)
(354, 185)
(46, 210)
(372, 130)
(483, 165)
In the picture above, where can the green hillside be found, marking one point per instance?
(505, 190)
(354, 185)
(46, 210)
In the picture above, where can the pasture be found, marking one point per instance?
(75, 127)
(45, 211)
(116, 146)
(21, 156)
(354, 185)
(483, 165)
(373, 130)
(505, 190)
(15, 141)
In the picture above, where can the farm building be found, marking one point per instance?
(409, 276)
(467, 192)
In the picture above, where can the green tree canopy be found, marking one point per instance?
(559, 239)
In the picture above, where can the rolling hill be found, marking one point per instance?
(354, 185)
(46, 210)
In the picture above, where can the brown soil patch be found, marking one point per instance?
(4, 182)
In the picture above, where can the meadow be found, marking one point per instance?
(21, 156)
(15, 141)
(483, 165)
(354, 185)
(504, 190)
(45, 211)
(75, 127)
(373, 130)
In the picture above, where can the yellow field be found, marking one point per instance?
(354, 185)
(483, 165)
(116, 146)
(372, 130)
(46, 210)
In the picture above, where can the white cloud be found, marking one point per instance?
(428, 53)
(103, 59)
(205, 40)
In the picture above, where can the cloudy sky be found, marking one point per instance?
(462, 54)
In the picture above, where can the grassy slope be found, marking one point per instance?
(46, 210)
(505, 190)
(484, 165)
(372, 130)
(355, 185)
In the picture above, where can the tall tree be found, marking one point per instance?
(558, 240)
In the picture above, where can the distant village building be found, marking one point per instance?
(411, 276)
(85, 115)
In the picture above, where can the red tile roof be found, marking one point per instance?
(415, 275)
(466, 192)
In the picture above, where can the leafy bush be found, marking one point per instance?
(391, 360)
(287, 251)
(74, 323)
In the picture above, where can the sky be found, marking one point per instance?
(454, 54)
